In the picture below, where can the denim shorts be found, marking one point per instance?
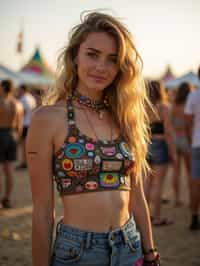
(196, 163)
(119, 247)
(158, 153)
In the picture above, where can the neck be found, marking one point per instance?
(90, 93)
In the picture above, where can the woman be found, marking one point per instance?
(180, 139)
(161, 149)
(87, 139)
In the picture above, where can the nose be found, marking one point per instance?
(101, 66)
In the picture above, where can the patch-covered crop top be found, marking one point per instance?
(86, 165)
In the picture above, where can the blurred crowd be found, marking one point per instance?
(175, 141)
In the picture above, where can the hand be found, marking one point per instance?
(152, 259)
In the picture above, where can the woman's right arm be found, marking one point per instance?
(39, 150)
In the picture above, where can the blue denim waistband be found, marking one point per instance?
(119, 235)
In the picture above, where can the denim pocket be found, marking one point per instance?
(68, 251)
(134, 243)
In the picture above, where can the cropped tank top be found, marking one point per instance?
(86, 165)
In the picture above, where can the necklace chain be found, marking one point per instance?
(93, 128)
(96, 105)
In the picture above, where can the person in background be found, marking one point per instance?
(161, 150)
(93, 140)
(192, 113)
(38, 95)
(180, 140)
(11, 122)
(29, 103)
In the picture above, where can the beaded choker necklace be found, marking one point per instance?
(97, 105)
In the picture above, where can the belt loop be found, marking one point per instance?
(58, 226)
(126, 239)
(88, 240)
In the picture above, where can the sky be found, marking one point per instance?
(166, 32)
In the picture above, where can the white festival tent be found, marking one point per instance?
(23, 77)
(6, 73)
(188, 77)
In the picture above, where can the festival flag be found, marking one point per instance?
(20, 42)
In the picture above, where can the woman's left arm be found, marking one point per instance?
(141, 214)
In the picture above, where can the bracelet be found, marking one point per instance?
(155, 262)
(151, 250)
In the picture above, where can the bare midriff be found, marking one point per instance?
(97, 211)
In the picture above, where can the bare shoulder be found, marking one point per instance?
(45, 115)
(48, 119)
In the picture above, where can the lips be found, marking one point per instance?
(99, 78)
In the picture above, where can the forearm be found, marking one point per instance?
(142, 218)
(42, 231)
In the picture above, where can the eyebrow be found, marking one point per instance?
(98, 52)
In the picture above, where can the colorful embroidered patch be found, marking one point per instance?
(91, 154)
(72, 139)
(110, 180)
(89, 146)
(81, 174)
(79, 188)
(83, 164)
(72, 173)
(108, 165)
(67, 164)
(124, 149)
(91, 185)
(97, 159)
(60, 174)
(81, 140)
(119, 156)
(60, 154)
(71, 122)
(108, 151)
(74, 150)
(125, 180)
(66, 182)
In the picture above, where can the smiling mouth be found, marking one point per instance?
(98, 78)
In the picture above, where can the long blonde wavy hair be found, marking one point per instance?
(127, 93)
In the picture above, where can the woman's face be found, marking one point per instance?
(97, 62)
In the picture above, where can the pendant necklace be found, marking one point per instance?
(98, 106)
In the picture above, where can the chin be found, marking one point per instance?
(97, 87)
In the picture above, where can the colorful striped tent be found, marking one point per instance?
(37, 65)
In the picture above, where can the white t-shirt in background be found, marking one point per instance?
(192, 107)
(29, 103)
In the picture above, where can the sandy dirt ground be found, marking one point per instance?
(177, 245)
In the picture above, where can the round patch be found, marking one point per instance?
(90, 154)
(67, 164)
(89, 146)
(74, 150)
(72, 139)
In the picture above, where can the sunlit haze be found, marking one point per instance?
(166, 32)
